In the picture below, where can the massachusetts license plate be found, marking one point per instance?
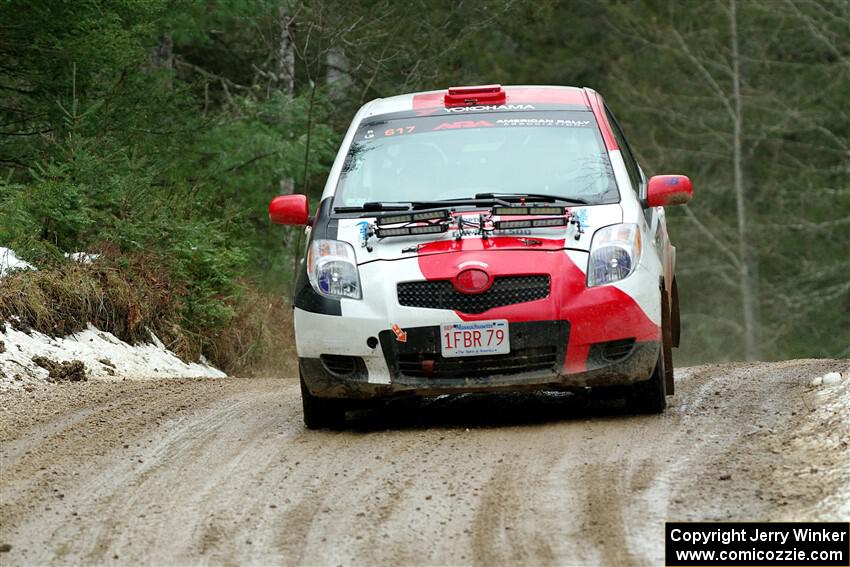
(477, 338)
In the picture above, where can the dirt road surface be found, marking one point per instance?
(222, 471)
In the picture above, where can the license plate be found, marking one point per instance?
(477, 338)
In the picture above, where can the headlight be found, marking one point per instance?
(614, 254)
(332, 269)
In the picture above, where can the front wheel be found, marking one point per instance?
(649, 396)
(321, 413)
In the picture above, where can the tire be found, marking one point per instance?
(321, 413)
(649, 396)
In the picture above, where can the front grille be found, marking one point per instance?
(518, 361)
(441, 294)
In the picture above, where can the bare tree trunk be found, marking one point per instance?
(285, 72)
(285, 60)
(337, 79)
(162, 55)
(746, 275)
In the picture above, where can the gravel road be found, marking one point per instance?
(222, 471)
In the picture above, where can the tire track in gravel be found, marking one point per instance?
(223, 472)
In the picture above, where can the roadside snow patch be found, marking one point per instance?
(831, 378)
(82, 257)
(10, 262)
(828, 379)
(104, 355)
(825, 433)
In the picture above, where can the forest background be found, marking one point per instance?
(154, 133)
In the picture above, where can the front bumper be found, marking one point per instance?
(415, 367)
(563, 338)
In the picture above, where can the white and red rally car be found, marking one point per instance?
(485, 239)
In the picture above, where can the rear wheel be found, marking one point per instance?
(321, 413)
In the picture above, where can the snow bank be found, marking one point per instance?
(104, 355)
(9, 261)
(827, 431)
(830, 379)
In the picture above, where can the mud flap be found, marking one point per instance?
(667, 342)
(675, 315)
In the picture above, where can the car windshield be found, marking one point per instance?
(443, 157)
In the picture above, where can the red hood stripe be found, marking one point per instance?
(595, 315)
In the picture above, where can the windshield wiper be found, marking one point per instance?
(422, 205)
(376, 206)
(477, 201)
(480, 200)
(539, 197)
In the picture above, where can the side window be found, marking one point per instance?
(628, 158)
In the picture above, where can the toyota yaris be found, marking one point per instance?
(481, 239)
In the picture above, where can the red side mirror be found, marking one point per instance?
(289, 209)
(666, 190)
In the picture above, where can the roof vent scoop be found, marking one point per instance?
(480, 95)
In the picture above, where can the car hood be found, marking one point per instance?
(592, 217)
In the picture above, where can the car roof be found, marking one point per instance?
(514, 94)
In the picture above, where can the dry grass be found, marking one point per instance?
(61, 301)
(138, 298)
(259, 341)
